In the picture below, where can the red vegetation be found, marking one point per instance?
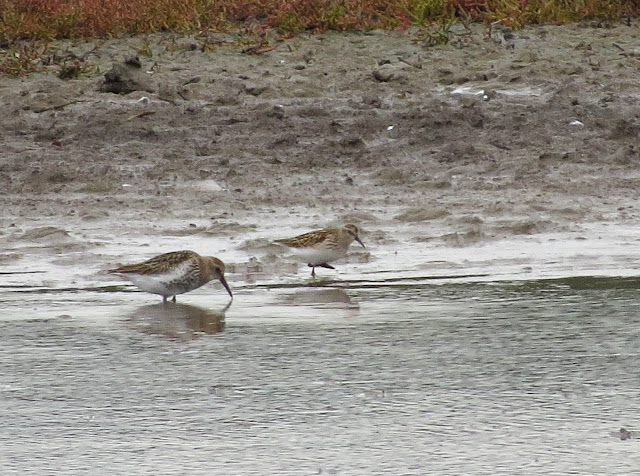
(50, 19)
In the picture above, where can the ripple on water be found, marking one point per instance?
(427, 376)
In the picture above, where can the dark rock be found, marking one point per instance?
(124, 78)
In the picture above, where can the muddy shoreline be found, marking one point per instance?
(476, 141)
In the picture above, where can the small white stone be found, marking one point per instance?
(205, 186)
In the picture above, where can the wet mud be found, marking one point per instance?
(476, 141)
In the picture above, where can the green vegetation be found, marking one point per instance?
(41, 21)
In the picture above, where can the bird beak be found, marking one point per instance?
(358, 240)
(226, 286)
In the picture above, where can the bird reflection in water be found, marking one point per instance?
(178, 321)
(328, 297)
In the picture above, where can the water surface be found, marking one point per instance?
(394, 376)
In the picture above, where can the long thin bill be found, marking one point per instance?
(358, 240)
(226, 286)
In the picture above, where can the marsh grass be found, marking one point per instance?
(27, 26)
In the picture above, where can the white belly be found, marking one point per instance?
(167, 284)
(155, 284)
(316, 256)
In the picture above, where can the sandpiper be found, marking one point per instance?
(174, 273)
(319, 248)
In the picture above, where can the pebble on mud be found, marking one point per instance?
(390, 72)
(417, 214)
(124, 78)
(45, 233)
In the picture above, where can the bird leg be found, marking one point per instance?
(321, 265)
(174, 299)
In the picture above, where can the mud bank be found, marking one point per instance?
(469, 143)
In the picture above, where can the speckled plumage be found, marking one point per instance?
(174, 273)
(319, 248)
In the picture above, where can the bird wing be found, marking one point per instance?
(159, 264)
(306, 240)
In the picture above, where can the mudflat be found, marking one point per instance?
(480, 139)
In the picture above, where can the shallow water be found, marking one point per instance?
(352, 376)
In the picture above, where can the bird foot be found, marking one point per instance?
(325, 265)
